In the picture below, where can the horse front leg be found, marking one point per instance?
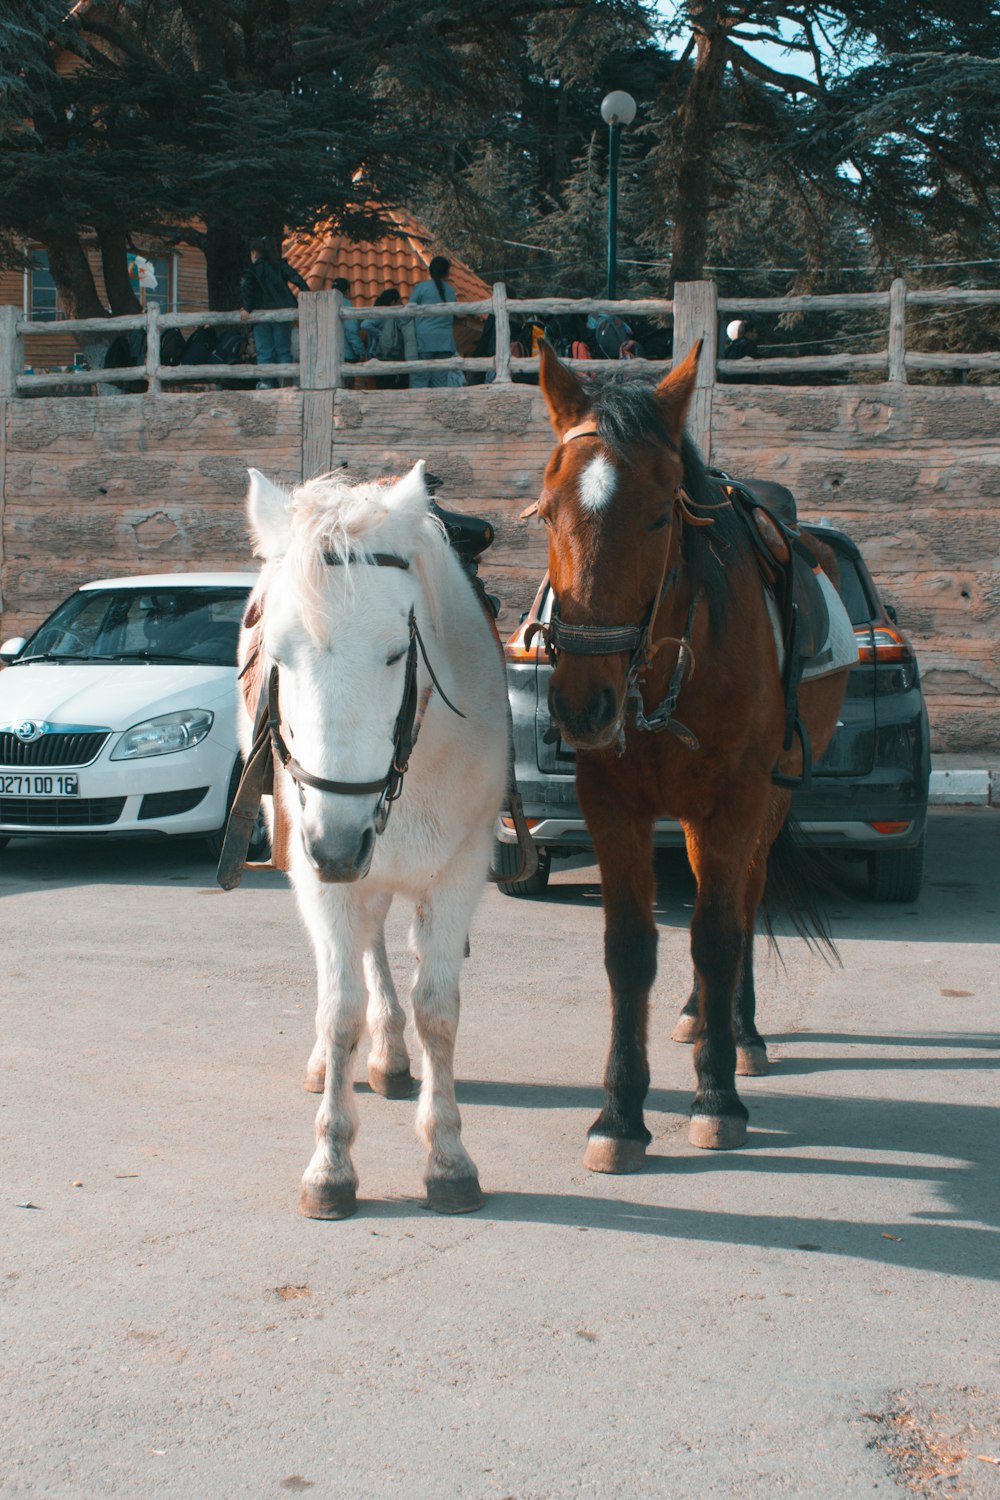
(338, 929)
(718, 1115)
(440, 928)
(618, 1138)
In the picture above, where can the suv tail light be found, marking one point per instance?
(887, 649)
(882, 643)
(515, 650)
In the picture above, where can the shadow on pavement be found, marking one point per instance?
(40, 864)
(950, 1149)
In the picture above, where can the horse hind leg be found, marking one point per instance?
(751, 1049)
(388, 1060)
(439, 934)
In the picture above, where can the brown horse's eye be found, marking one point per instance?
(660, 522)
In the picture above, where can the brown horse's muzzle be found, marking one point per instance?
(587, 701)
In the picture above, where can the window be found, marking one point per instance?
(164, 293)
(41, 298)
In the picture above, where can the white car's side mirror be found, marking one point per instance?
(12, 648)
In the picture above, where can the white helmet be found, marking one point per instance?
(734, 329)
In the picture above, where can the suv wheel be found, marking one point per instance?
(506, 858)
(897, 874)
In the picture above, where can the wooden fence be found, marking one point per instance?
(695, 312)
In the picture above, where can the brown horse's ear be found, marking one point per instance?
(675, 390)
(564, 395)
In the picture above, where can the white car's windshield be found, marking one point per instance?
(198, 625)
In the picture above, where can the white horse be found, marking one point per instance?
(363, 610)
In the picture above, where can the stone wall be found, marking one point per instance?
(92, 487)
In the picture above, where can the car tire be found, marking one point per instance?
(507, 858)
(896, 874)
(260, 838)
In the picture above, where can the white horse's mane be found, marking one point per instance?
(354, 521)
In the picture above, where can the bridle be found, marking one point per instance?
(637, 640)
(412, 708)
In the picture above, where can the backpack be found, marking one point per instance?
(609, 336)
(172, 346)
(631, 349)
(389, 344)
(230, 347)
(580, 350)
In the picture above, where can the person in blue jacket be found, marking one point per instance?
(435, 336)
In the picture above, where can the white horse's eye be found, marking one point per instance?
(396, 656)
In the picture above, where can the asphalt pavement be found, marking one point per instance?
(814, 1315)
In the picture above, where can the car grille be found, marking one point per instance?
(60, 812)
(75, 749)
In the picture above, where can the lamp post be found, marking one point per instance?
(617, 109)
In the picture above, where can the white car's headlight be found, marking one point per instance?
(164, 735)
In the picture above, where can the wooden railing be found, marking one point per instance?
(696, 311)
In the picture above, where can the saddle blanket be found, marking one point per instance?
(840, 649)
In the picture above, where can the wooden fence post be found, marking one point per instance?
(10, 350)
(696, 316)
(321, 361)
(897, 331)
(153, 387)
(501, 321)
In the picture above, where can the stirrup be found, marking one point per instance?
(525, 844)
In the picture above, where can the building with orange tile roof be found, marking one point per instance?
(400, 259)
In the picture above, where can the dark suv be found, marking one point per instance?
(868, 797)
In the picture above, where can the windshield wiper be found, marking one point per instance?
(153, 656)
(22, 661)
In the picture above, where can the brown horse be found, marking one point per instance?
(667, 683)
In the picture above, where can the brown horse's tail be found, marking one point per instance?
(798, 875)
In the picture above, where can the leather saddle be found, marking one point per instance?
(795, 568)
(790, 571)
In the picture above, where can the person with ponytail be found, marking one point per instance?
(435, 336)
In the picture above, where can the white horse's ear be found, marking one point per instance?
(412, 486)
(268, 512)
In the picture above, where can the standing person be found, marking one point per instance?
(385, 339)
(435, 336)
(354, 348)
(265, 285)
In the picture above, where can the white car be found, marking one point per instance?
(119, 714)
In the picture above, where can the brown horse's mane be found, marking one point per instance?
(628, 414)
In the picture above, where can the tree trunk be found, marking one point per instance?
(114, 268)
(225, 250)
(696, 125)
(73, 276)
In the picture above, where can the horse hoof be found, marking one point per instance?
(751, 1062)
(606, 1154)
(455, 1195)
(688, 1029)
(332, 1200)
(717, 1132)
(392, 1085)
(315, 1081)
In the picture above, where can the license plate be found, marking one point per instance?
(38, 784)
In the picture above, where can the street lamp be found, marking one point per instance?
(617, 109)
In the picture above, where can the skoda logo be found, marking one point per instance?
(27, 731)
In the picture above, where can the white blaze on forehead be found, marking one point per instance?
(597, 484)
